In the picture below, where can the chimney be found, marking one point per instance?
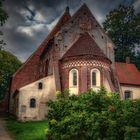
(127, 60)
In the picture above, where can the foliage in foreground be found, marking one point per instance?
(93, 116)
(27, 130)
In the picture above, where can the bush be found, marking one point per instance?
(93, 116)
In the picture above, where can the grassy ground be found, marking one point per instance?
(27, 130)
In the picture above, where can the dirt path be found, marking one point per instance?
(4, 135)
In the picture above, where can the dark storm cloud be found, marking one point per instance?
(30, 20)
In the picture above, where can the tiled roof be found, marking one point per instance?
(85, 45)
(127, 73)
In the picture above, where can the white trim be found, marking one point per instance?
(73, 88)
(98, 78)
(71, 78)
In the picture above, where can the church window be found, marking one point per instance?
(95, 78)
(32, 103)
(73, 77)
(40, 85)
(127, 94)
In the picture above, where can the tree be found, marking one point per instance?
(137, 59)
(8, 62)
(3, 14)
(3, 18)
(93, 116)
(8, 65)
(123, 26)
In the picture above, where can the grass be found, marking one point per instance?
(27, 130)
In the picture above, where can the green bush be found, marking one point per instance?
(93, 116)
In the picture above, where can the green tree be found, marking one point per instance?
(8, 65)
(137, 60)
(3, 14)
(3, 18)
(123, 26)
(8, 62)
(93, 116)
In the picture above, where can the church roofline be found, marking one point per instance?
(88, 47)
(46, 40)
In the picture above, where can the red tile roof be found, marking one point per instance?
(85, 45)
(127, 73)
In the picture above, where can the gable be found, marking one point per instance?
(84, 21)
(85, 45)
(29, 71)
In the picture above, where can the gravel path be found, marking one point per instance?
(4, 135)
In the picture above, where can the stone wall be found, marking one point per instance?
(41, 95)
(135, 90)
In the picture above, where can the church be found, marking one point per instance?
(77, 55)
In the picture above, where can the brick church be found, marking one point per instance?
(76, 55)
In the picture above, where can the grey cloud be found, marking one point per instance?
(30, 20)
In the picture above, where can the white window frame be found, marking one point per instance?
(71, 78)
(98, 78)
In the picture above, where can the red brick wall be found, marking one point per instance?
(84, 77)
(26, 74)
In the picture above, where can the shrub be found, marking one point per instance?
(93, 116)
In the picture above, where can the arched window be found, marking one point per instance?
(32, 103)
(73, 77)
(127, 94)
(95, 78)
(40, 85)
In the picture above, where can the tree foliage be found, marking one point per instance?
(8, 62)
(3, 18)
(8, 65)
(3, 14)
(123, 26)
(93, 116)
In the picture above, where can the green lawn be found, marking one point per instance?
(27, 130)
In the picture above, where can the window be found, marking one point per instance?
(127, 95)
(32, 103)
(95, 78)
(73, 77)
(40, 85)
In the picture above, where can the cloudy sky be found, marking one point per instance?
(30, 21)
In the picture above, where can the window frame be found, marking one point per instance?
(32, 104)
(130, 94)
(40, 85)
(98, 77)
(71, 78)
